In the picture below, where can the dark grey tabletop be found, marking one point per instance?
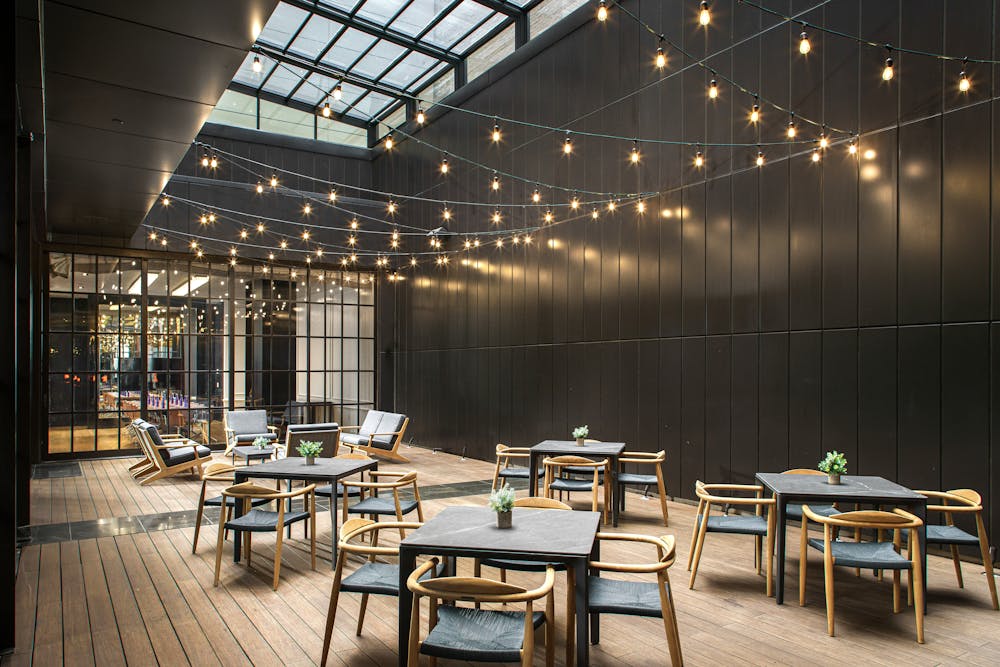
(854, 486)
(536, 532)
(294, 467)
(570, 447)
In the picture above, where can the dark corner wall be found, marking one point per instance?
(777, 313)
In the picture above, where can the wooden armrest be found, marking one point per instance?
(372, 485)
(349, 428)
(272, 428)
(388, 473)
(175, 445)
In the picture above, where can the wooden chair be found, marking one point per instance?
(634, 598)
(170, 457)
(634, 479)
(793, 511)
(379, 435)
(242, 427)
(961, 501)
(372, 578)
(504, 470)
(741, 524)
(373, 505)
(257, 520)
(145, 466)
(554, 481)
(327, 491)
(217, 471)
(866, 555)
(479, 635)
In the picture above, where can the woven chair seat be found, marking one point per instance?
(522, 565)
(945, 535)
(381, 505)
(563, 484)
(326, 491)
(378, 579)
(637, 479)
(231, 502)
(873, 555)
(614, 596)
(478, 635)
(793, 511)
(582, 470)
(263, 520)
(519, 473)
(739, 524)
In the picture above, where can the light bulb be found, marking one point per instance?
(804, 45)
(326, 110)
(214, 162)
(574, 203)
(307, 209)
(305, 235)
(568, 146)
(612, 205)
(713, 89)
(602, 11)
(194, 244)
(270, 255)
(394, 243)
(496, 217)
(499, 243)
(548, 215)
(257, 65)
(536, 196)
(352, 240)
(475, 243)
(163, 241)
(594, 214)
(527, 239)
(260, 187)
(391, 207)
(243, 233)
(395, 235)
(791, 131)
(354, 257)
(699, 159)
(760, 159)
(211, 217)
(661, 58)
(274, 181)
(232, 252)
(495, 184)
(815, 155)
(338, 92)
(889, 71)
(496, 133)
(516, 240)
(468, 244)
(634, 155)
(152, 236)
(204, 160)
(333, 196)
(354, 224)
(823, 141)
(704, 16)
(446, 214)
(200, 253)
(283, 244)
(421, 117)
(852, 147)
(203, 219)
(389, 142)
(319, 252)
(413, 261)
(755, 113)
(260, 227)
(640, 207)
(444, 165)
(963, 82)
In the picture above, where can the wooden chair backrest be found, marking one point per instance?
(802, 471)
(475, 589)
(645, 458)
(707, 493)
(573, 460)
(665, 547)
(876, 519)
(538, 502)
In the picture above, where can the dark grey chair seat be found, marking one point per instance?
(177, 455)
(563, 484)
(231, 502)
(793, 511)
(478, 635)
(636, 479)
(264, 520)
(250, 437)
(583, 470)
(326, 491)
(372, 505)
(522, 565)
(378, 579)
(870, 555)
(515, 472)
(614, 596)
(739, 524)
(945, 535)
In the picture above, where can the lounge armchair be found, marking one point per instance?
(172, 456)
(379, 435)
(244, 426)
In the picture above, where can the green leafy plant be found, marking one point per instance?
(581, 431)
(502, 500)
(309, 448)
(260, 442)
(835, 463)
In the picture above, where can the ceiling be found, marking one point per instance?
(127, 87)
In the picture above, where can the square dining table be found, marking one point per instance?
(537, 534)
(861, 489)
(590, 450)
(325, 470)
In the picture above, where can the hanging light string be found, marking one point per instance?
(757, 98)
(865, 42)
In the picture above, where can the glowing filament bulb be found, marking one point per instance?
(391, 207)
(963, 82)
(333, 196)
(394, 243)
(352, 240)
(499, 243)
(200, 253)
(536, 196)
(699, 159)
(548, 215)
(260, 188)
(713, 89)
(594, 214)
(444, 166)
(203, 219)
(889, 71)
(395, 235)
(204, 160)
(163, 241)
(516, 240)
(755, 113)
(354, 223)
(152, 236)
(475, 243)
(852, 147)
(194, 244)
(760, 159)
(704, 16)
(791, 131)
(634, 155)
(496, 133)
(305, 235)
(446, 214)
(495, 184)
(413, 261)
(804, 45)
(602, 11)
(283, 244)
(214, 162)
(354, 257)
(661, 58)
(574, 203)
(274, 181)
(389, 142)
(270, 255)
(243, 233)
(612, 205)
(166, 200)
(468, 244)
(640, 207)
(496, 217)
(421, 117)
(815, 155)
(307, 209)
(232, 252)
(326, 110)
(319, 252)
(568, 146)
(823, 141)
(527, 240)
(257, 66)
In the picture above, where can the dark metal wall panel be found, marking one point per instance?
(877, 240)
(692, 380)
(920, 222)
(718, 256)
(745, 252)
(965, 406)
(805, 398)
(805, 255)
(919, 406)
(718, 409)
(840, 392)
(773, 399)
(877, 389)
(745, 409)
(693, 304)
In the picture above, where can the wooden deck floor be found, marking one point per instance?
(141, 597)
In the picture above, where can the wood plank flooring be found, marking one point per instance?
(142, 598)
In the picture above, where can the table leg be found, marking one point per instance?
(615, 464)
(595, 619)
(238, 478)
(779, 526)
(582, 624)
(288, 509)
(920, 511)
(532, 475)
(407, 564)
(334, 527)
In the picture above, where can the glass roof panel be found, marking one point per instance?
(422, 81)
(247, 76)
(315, 37)
(315, 89)
(479, 33)
(283, 79)
(409, 69)
(418, 16)
(348, 48)
(350, 96)
(378, 59)
(284, 22)
(379, 11)
(453, 27)
(372, 104)
(346, 5)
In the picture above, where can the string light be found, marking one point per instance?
(203, 219)
(200, 253)
(760, 159)
(661, 58)
(889, 71)
(305, 235)
(413, 261)
(352, 240)
(389, 142)
(574, 203)
(319, 252)
(548, 215)
(163, 241)
(964, 84)
(475, 243)
(444, 165)
(699, 159)
(214, 162)
(568, 145)
(496, 217)
(852, 147)
(354, 223)
(499, 243)
(354, 257)
(243, 234)
(823, 141)
(194, 245)
(602, 11)
(260, 188)
(338, 92)
(713, 89)
(333, 196)
(496, 133)
(536, 196)
(804, 45)
(326, 109)
(257, 65)
(152, 236)
(755, 113)
(791, 131)
(468, 244)
(634, 155)
(344, 261)
(595, 214)
(283, 244)
(527, 239)
(232, 262)
(421, 118)
(496, 183)
(270, 256)
(640, 207)
(391, 208)
(704, 16)
(307, 209)
(815, 155)
(232, 252)
(274, 181)
(446, 213)
(166, 200)
(516, 240)
(612, 206)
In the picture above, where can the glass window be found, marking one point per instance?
(490, 53)
(283, 24)
(378, 59)
(283, 80)
(456, 24)
(350, 46)
(285, 120)
(474, 37)
(439, 89)
(235, 109)
(315, 36)
(328, 129)
(547, 13)
(409, 69)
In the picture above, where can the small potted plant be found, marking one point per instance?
(310, 450)
(834, 465)
(581, 433)
(502, 502)
(261, 442)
